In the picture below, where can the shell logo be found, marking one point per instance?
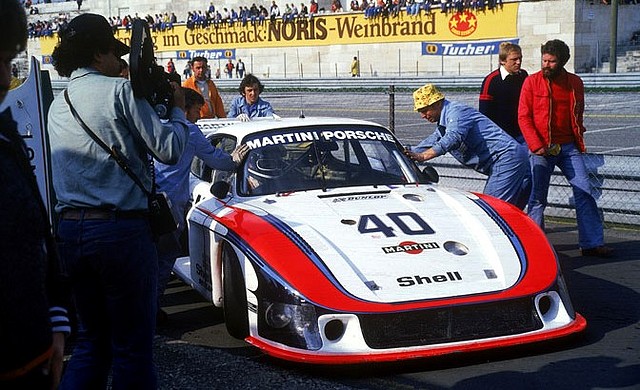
(463, 24)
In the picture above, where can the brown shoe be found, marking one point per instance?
(599, 251)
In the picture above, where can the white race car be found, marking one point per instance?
(330, 246)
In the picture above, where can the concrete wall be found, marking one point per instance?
(583, 26)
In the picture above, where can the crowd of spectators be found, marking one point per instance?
(159, 22)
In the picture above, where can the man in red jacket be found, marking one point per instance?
(550, 118)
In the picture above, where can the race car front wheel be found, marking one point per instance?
(234, 295)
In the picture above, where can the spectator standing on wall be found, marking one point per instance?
(249, 104)
(212, 107)
(274, 11)
(104, 232)
(313, 8)
(475, 141)
(550, 117)
(240, 68)
(500, 91)
(33, 288)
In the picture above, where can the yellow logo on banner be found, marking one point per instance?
(333, 29)
(432, 49)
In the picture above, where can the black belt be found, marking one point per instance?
(80, 214)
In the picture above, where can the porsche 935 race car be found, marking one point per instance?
(329, 246)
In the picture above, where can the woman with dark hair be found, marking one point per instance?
(250, 104)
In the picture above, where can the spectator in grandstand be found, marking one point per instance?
(249, 104)
(550, 117)
(500, 91)
(304, 11)
(199, 82)
(475, 141)
(274, 11)
(313, 8)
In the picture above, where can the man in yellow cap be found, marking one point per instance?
(475, 141)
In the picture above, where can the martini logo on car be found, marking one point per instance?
(410, 247)
(304, 136)
(449, 276)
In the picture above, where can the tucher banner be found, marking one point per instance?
(464, 48)
(334, 29)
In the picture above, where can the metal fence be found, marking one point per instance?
(616, 177)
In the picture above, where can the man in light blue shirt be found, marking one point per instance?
(174, 181)
(250, 105)
(104, 235)
(476, 142)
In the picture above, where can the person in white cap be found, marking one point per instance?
(475, 141)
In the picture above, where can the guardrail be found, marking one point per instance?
(615, 179)
(591, 80)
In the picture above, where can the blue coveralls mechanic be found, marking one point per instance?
(104, 233)
(174, 181)
(476, 142)
(250, 105)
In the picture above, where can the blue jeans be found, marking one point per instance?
(571, 164)
(113, 267)
(510, 178)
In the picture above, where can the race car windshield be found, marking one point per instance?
(321, 158)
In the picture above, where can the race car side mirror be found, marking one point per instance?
(429, 173)
(220, 189)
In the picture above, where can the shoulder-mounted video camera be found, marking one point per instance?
(148, 79)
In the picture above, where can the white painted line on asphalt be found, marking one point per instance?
(612, 129)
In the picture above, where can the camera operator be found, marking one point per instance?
(104, 232)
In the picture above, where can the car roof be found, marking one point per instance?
(242, 129)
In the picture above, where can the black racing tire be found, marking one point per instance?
(234, 295)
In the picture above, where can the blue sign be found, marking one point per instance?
(463, 49)
(218, 54)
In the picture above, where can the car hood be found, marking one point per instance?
(386, 245)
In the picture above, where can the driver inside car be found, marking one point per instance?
(263, 167)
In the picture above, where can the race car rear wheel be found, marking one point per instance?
(234, 295)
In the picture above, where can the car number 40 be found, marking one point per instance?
(409, 223)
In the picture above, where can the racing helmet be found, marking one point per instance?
(267, 162)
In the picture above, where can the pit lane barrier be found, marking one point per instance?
(591, 81)
(615, 180)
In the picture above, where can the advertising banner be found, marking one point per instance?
(334, 29)
(464, 48)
